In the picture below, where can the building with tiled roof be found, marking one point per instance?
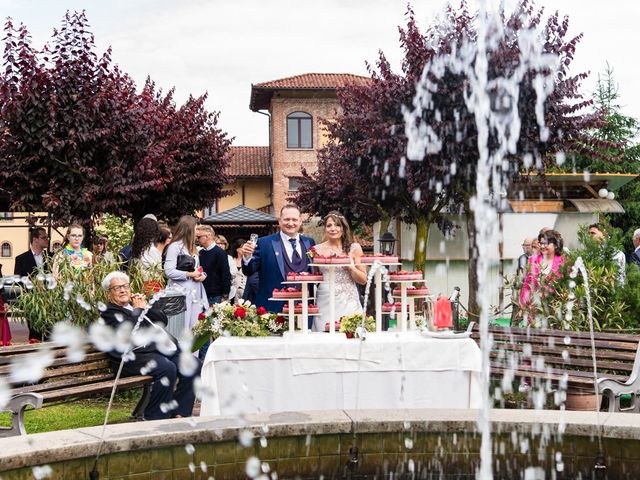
(264, 177)
(297, 107)
(261, 93)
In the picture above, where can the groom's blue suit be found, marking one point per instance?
(269, 260)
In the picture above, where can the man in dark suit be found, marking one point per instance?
(635, 255)
(29, 261)
(162, 363)
(215, 264)
(276, 255)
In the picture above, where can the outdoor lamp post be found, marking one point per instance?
(387, 243)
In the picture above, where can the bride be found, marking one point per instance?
(339, 241)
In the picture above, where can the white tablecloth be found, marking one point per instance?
(318, 371)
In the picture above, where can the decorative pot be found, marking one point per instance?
(583, 401)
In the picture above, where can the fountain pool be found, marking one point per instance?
(529, 444)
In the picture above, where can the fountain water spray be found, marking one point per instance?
(579, 267)
(493, 101)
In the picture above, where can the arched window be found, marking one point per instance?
(299, 130)
(5, 249)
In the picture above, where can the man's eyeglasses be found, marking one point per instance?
(120, 288)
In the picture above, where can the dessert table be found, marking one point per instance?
(316, 371)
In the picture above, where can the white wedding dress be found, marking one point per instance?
(346, 295)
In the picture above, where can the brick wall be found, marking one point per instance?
(289, 162)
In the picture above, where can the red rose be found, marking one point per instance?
(240, 312)
(261, 310)
(280, 320)
(202, 316)
(313, 249)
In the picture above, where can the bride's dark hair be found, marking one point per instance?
(347, 236)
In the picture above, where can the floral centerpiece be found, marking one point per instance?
(350, 323)
(239, 320)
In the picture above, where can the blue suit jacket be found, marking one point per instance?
(268, 260)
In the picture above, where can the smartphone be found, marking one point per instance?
(253, 238)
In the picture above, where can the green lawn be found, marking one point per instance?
(78, 414)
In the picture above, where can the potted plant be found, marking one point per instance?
(349, 324)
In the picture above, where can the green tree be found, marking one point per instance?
(119, 231)
(620, 131)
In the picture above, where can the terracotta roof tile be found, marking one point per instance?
(249, 162)
(315, 81)
(261, 92)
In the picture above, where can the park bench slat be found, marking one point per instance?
(74, 369)
(618, 337)
(68, 382)
(27, 348)
(574, 377)
(572, 361)
(612, 355)
(61, 361)
(101, 387)
(558, 342)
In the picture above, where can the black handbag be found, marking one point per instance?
(171, 305)
(185, 263)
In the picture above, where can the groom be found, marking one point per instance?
(276, 255)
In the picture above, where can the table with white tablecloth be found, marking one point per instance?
(318, 371)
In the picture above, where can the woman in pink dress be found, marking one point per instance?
(544, 266)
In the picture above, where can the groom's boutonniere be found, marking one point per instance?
(311, 252)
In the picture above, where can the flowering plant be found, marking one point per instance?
(239, 320)
(350, 323)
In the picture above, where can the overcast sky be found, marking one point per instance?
(222, 47)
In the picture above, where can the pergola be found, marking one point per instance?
(241, 222)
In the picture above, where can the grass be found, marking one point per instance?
(82, 413)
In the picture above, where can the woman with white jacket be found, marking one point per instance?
(191, 282)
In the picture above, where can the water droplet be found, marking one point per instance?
(44, 471)
(246, 438)
(252, 467)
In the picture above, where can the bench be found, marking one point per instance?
(63, 381)
(562, 360)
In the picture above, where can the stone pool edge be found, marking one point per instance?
(44, 448)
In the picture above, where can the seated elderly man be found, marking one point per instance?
(167, 400)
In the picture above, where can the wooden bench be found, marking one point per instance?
(63, 381)
(562, 360)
